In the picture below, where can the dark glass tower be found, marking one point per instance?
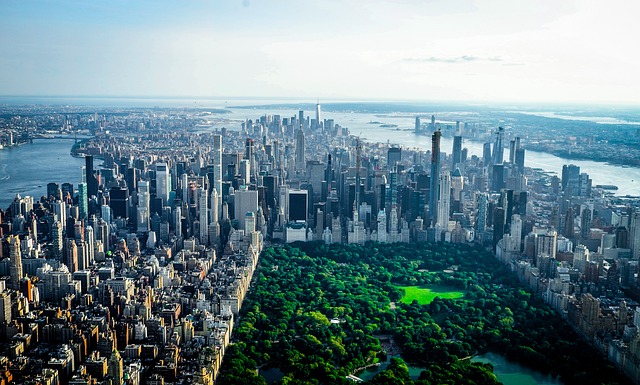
(435, 177)
(92, 180)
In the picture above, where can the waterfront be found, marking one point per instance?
(27, 169)
(627, 179)
(24, 168)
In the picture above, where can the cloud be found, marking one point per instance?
(453, 59)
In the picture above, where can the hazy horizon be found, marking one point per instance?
(463, 50)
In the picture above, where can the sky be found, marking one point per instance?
(580, 51)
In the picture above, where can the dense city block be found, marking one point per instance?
(136, 270)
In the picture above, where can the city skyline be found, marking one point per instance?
(437, 51)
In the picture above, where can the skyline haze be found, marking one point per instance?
(486, 51)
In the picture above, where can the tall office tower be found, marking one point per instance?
(417, 127)
(71, 255)
(297, 205)
(486, 154)
(131, 178)
(103, 234)
(585, 185)
(216, 156)
(163, 182)
(92, 180)
(457, 183)
(90, 240)
(434, 187)
(301, 121)
(53, 190)
(215, 214)
(119, 202)
(203, 215)
(15, 261)
(497, 157)
(56, 240)
(512, 151)
(249, 153)
(497, 177)
(300, 152)
(318, 121)
(177, 221)
(67, 190)
(245, 201)
(634, 235)
(456, 154)
(245, 171)
(571, 179)
(433, 122)
(83, 201)
(356, 205)
(143, 206)
(444, 201)
(481, 216)
(60, 209)
(520, 160)
(585, 222)
(499, 225)
(394, 155)
(83, 255)
(105, 213)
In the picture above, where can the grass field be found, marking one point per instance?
(424, 295)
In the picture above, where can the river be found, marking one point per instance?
(27, 169)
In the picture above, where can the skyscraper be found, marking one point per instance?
(163, 183)
(456, 154)
(300, 151)
(418, 124)
(92, 180)
(216, 156)
(143, 206)
(435, 176)
(245, 200)
(498, 147)
(249, 154)
(203, 215)
(318, 121)
(444, 201)
(56, 240)
(15, 262)
(571, 179)
(71, 255)
(83, 201)
(394, 155)
(298, 205)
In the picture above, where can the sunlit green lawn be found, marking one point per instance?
(424, 295)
